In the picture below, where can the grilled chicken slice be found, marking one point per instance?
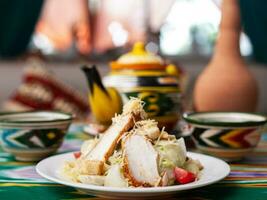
(132, 112)
(140, 161)
(105, 147)
(107, 143)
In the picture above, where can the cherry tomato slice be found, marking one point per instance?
(182, 176)
(77, 154)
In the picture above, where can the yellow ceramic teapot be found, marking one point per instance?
(137, 74)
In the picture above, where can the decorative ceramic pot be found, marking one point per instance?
(226, 84)
(228, 135)
(31, 136)
(146, 76)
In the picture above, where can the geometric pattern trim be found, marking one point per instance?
(18, 138)
(227, 138)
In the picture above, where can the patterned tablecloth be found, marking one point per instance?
(19, 181)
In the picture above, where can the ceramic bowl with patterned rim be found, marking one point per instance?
(228, 135)
(31, 136)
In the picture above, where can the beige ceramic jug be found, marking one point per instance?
(226, 84)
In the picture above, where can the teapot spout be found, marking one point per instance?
(104, 102)
(93, 77)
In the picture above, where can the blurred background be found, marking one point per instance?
(94, 29)
(66, 33)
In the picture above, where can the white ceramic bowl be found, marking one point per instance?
(228, 135)
(31, 136)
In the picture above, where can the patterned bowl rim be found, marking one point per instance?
(249, 119)
(56, 117)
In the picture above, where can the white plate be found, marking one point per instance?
(214, 170)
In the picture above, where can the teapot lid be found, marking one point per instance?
(138, 58)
